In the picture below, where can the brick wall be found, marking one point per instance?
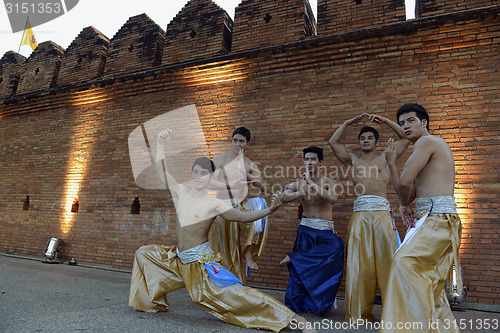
(84, 59)
(259, 23)
(71, 142)
(138, 45)
(10, 68)
(342, 15)
(41, 69)
(436, 7)
(200, 30)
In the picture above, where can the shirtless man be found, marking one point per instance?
(316, 262)
(225, 235)
(372, 239)
(422, 264)
(159, 270)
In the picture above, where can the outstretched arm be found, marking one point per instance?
(338, 148)
(292, 192)
(236, 215)
(403, 142)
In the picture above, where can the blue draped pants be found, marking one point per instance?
(316, 269)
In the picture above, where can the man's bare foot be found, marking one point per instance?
(252, 264)
(249, 258)
(302, 324)
(285, 261)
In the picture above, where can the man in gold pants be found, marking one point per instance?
(371, 237)
(159, 270)
(415, 299)
(225, 235)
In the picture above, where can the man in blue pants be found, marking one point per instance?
(316, 262)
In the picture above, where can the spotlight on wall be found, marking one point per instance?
(75, 206)
(51, 252)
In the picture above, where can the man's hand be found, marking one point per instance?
(307, 177)
(164, 135)
(406, 213)
(276, 202)
(390, 151)
(376, 118)
(310, 187)
(353, 120)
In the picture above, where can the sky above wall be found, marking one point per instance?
(107, 16)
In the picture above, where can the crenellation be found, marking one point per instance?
(41, 69)
(10, 69)
(85, 58)
(428, 8)
(260, 23)
(137, 46)
(200, 30)
(342, 15)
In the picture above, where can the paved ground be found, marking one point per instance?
(37, 297)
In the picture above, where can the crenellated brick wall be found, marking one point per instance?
(138, 45)
(341, 15)
(41, 69)
(436, 7)
(69, 140)
(200, 30)
(85, 58)
(259, 23)
(10, 68)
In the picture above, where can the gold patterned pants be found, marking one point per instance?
(415, 299)
(371, 244)
(158, 271)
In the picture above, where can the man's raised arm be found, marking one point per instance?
(403, 142)
(338, 148)
(390, 156)
(161, 162)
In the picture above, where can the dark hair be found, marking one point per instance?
(313, 149)
(369, 129)
(242, 131)
(205, 163)
(419, 110)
